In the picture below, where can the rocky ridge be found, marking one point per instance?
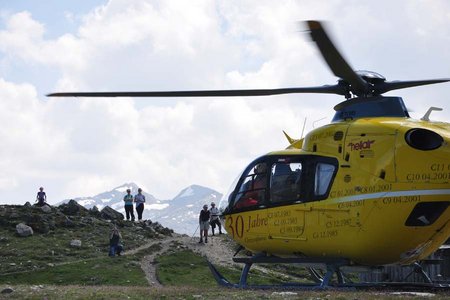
(33, 237)
(70, 215)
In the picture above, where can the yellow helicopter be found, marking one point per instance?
(372, 188)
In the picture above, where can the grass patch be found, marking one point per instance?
(147, 251)
(35, 252)
(121, 271)
(136, 292)
(185, 268)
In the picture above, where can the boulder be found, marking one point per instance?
(24, 230)
(94, 212)
(39, 223)
(73, 208)
(69, 223)
(161, 229)
(27, 204)
(7, 290)
(46, 208)
(166, 231)
(110, 214)
(75, 243)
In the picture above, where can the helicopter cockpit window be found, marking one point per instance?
(252, 191)
(285, 182)
(322, 180)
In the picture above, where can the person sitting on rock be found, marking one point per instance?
(41, 197)
(114, 242)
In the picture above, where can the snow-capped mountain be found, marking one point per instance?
(113, 198)
(180, 214)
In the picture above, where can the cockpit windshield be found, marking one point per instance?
(281, 180)
(223, 204)
(285, 181)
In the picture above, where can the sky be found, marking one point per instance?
(81, 147)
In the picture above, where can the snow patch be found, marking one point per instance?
(157, 206)
(86, 202)
(187, 192)
(122, 189)
(105, 200)
(117, 206)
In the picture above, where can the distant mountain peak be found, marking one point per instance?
(194, 190)
(123, 188)
(179, 213)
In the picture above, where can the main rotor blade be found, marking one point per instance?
(326, 89)
(395, 85)
(334, 59)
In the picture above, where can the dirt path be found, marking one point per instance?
(218, 251)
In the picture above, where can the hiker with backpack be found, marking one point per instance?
(114, 242)
(128, 199)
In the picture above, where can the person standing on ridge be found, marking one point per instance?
(203, 220)
(128, 199)
(139, 199)
(41, 197)
(214, 218)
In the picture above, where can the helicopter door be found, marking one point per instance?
(371, 152)
(287, 187)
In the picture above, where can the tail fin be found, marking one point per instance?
(293, 143)
(290, 140)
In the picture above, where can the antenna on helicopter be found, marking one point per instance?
(426, 116)
(303, 129)
(316, 121)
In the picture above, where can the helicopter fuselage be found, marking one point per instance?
(372, 190)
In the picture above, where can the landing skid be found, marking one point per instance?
(333, 267)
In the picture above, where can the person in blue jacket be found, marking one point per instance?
(128, 199)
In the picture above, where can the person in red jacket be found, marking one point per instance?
(255, 188)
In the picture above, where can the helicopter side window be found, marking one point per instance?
(322, 180)
(252, 191)
(285, 182)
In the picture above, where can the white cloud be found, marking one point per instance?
(78, 147)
